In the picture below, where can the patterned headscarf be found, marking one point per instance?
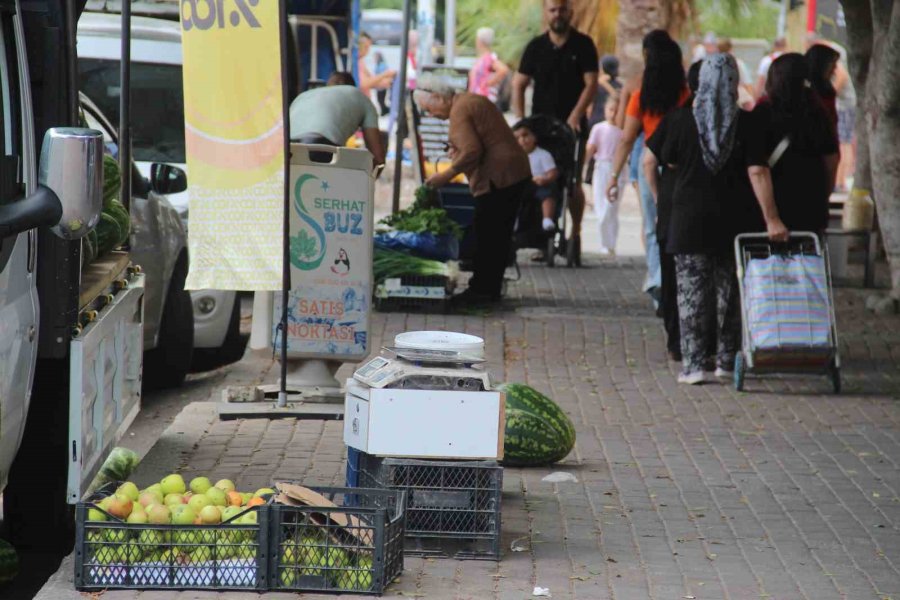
(716, 109)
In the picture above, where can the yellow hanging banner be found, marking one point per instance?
(234, 130)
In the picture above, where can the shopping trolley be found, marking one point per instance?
(786, 308)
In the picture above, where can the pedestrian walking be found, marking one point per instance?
(486, 151)
(779, 47)
(601, 147)
(846, 111)
(368, 81)
(488, 72)
(562, 65)
(662, 90)
(381, 67)
(608, 84)
(822, 60)
(801, 145)
(711, 147)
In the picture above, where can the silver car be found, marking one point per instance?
(157, 137)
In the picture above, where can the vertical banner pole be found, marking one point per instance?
(286, 267)
(125, 106)
(401, 111)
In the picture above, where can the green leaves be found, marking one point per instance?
(424, 216)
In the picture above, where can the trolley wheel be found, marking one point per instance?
(550, 251)
(739, 372)
(835, 372)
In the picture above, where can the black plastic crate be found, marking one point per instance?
(424, 302)
(113, 554)
(452, 507)
(311, 551)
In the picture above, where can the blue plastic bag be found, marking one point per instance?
(425, 245)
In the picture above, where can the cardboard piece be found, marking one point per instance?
(297, 495)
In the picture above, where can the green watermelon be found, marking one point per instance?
(9, 563)
(523, 397)
(108, 233)
(112, 179)
(531, 441)
(118, 211)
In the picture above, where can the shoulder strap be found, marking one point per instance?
(779, 151)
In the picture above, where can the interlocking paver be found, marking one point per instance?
(784, 492)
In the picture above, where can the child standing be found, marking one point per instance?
(543, 172)
(601, 146)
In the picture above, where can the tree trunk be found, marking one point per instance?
(638, 17)
(873, 33)
(597, 18)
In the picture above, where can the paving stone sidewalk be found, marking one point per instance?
(784, 492)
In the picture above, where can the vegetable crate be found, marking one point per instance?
(114, 554)
(414, 293)
(353, 547)
(452, 507)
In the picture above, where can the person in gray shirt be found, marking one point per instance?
(330, 115)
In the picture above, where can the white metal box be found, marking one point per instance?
(424, 423)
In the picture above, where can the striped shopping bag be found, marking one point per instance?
(787, 302)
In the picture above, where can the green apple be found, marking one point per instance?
(264, 492)
(217, 497)
(147, 498)
(173, 499)
(183, 514)
(138, 516)
(156, 489)
(199, 485)
(210, 515)
(198, 502)
(130, 490)
(159, 515)
(226, 485)
(95, 515)
(246, 497)
(115, 535)
(173, 484)
(231, 512)
(129, 553)
(150, 537)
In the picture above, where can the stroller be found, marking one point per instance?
(560, 141)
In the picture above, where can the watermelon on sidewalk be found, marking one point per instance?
(538, 432)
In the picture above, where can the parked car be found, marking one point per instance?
(159, 245)
(157, 101)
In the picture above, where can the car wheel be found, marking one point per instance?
(231, 350)
(168, 364)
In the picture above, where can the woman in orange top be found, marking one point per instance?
(663, 89)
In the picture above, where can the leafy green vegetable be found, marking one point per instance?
(424, 216)
(391, 263)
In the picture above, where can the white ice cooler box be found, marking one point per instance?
(414, 423)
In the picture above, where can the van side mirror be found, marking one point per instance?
(167, 179)
(72, 167)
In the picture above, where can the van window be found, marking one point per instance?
(383, 32)
(157, 105)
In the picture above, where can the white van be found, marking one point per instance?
(157, 105)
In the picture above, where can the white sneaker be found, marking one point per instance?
(548, 225)
(692, 378)
(724, 373)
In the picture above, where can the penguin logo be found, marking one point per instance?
(341, 264)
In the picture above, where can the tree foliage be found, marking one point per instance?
(515, 22)
(739, 18)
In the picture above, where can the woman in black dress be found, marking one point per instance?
(800, 145)
(719, 176)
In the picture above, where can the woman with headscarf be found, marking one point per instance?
(802, 147)
(718, 169)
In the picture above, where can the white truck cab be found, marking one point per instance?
(71, 337)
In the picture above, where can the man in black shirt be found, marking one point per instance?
(562, 63)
